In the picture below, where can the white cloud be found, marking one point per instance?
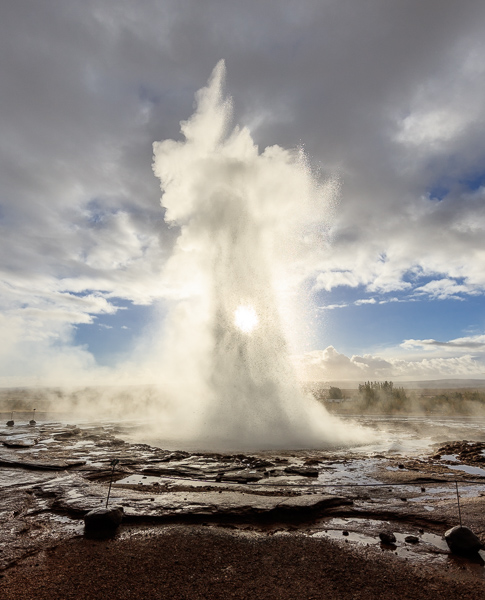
(433, 127)
(330, 365)
(445, 288)
(470, 343)
(87, 87)
(365, 301)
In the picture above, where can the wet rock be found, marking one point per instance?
(179, 455)
(465, 451)
(304, 471)
(18, 442)
(241, 476)
(387, 537)
(115, 442)
(462, 540)
(103, 520)
(411, 539)
(57, 465)
(67, 434)
(262, 463)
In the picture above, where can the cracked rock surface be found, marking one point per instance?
(332, 504)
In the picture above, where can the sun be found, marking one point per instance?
(245, 318)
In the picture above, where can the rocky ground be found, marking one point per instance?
(301, 524)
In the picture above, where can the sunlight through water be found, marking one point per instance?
(245, 318)
(240, 213)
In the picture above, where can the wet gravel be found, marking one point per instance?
(180, 562)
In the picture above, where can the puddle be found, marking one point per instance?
(450, 457)
(141, 480)
(468, 469)
(447, 493)
(353, 472)
(352, 536)
(431, 547)
(366, 532)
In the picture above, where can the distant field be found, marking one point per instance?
(387, 398)
(377, 398)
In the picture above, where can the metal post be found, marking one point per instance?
(113, 464)
(458, 501)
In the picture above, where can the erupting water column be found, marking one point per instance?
(226, 366)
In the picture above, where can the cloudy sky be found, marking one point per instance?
(386, 96)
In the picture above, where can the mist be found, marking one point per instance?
(224, 364)
(213, 367)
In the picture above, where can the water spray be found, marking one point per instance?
(241, 213)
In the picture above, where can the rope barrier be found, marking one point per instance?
(322, 485)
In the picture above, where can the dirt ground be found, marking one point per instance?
(288, 525)
(192, 563)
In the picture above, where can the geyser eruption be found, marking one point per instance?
(226, 368)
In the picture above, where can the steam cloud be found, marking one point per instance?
(227, 375)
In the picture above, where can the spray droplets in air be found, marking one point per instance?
(226, 369)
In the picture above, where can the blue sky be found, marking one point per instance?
(375, 327)
(395, 262)
(111, 338)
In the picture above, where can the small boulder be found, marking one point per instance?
(304, 471)
(103, 521)
(243, 476)
(462, 540)
(387, 537)
(411, 539)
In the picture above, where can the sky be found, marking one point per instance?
(386, 98)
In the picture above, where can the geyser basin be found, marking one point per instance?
(226, 369)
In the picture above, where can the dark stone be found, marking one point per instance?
(345, 533)
(462, 540)
(67, 434)
(305, 471)
(10, 423)
(387, 537)
(411, 539)
(103, 520)
(240, 476)
(262, 463)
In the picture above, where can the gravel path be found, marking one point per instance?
(192, 563)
